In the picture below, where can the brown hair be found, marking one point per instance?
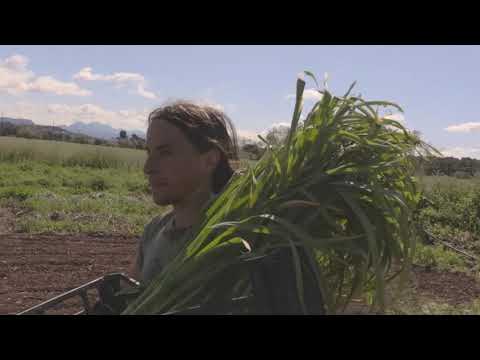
(206, 128)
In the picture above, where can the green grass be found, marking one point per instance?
(72, 188)
(54, 198)
(435, 256)
(14, 149)
(454, 214)
(75, 188)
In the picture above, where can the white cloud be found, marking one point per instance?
(86, 74)
(64, 114)
(247, 134)
(16, 79)
(312, 94)
(397, 117)
(464, 128)
(459, 152)
(16, 62)
(119, 79)
(49, 84)
(308, 94)
(146, 94)
(281, 126)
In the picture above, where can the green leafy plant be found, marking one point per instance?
(340, 187)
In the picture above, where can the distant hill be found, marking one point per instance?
(99, 130)
(91, 133)
(17, 121)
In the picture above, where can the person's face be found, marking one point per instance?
(174, 167)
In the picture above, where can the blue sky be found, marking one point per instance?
(436, 85)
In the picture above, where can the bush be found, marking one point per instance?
(455, 205)
(437, 257)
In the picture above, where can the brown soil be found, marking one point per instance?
(453, 288)
(35, 268)
(7, 220)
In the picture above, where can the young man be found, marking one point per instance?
(189, 161)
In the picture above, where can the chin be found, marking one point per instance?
(163, 199)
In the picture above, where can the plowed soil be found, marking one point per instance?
(35, 268)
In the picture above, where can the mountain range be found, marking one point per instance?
(93, 129)
(99, 130)
(16, 121)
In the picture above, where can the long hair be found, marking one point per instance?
(205, 127)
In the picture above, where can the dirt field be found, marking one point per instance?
(34, 268)
(450, 287)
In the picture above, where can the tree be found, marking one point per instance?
(254, 151)
(123, 134)
(25, 132)
(82, 140)
(123, 143)
(277, 135)
(7, 129)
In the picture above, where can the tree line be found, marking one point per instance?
(450, 166)
(57, 134)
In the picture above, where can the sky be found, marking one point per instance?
(437, 86)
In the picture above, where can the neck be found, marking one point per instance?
(188, 211)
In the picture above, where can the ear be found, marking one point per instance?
(211, 159)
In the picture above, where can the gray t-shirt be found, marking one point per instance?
(159, 245)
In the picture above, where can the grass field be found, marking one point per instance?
(71, 188)
(68, 188)
(454, 212)
(55, 187)
(53, 198)
(14, 149)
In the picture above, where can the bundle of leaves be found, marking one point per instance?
(341, 188)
